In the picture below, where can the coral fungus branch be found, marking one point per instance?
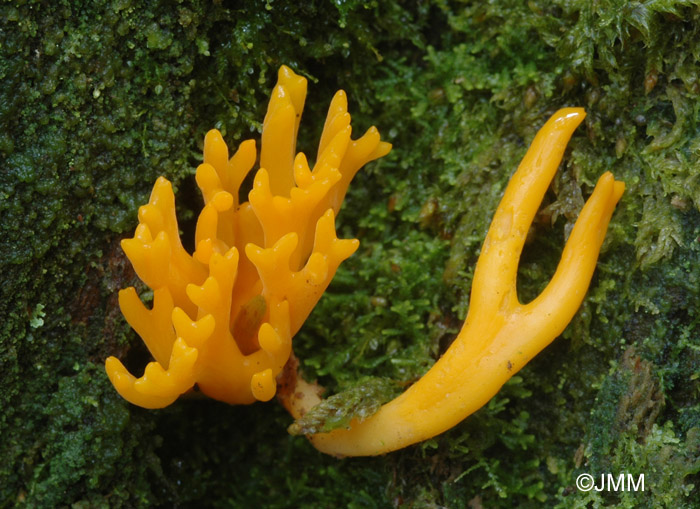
(500, 335)
(223, 318)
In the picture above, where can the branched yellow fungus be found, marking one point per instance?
(500, 335)
(224, 317)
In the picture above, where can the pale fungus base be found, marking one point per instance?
(224, 317)
(500, 335)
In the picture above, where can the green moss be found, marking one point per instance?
(98, 99)
(336, 411)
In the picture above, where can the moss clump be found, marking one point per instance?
(98, 99)
(624, 437)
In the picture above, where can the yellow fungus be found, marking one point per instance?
(500, 335)
(223, 317)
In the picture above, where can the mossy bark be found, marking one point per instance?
(99, 98)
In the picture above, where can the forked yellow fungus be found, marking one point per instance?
(500, 335)
(224, 317)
